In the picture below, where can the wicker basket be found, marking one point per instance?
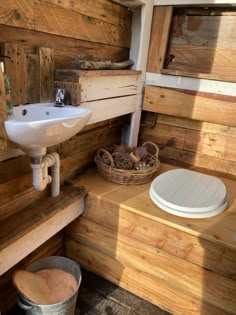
(128, 177)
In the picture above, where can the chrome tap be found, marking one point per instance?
(60, 96)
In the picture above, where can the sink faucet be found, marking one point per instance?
(60, 95)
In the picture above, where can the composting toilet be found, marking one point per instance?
(189, 194)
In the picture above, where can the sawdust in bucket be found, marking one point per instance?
(61, 284)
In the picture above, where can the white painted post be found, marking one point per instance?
(141, 30)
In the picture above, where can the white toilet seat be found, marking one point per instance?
(189, 194)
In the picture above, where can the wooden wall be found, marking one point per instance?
(202, 42)
(193, 127)
(56, 33)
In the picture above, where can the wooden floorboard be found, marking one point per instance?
(98, 296)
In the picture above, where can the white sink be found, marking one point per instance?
(38, 126)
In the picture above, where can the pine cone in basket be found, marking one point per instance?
(122, 160)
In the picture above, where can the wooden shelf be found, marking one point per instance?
(29, 228)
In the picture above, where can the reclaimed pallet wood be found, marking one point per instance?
(70, 50)
(15, 69)
(199, 251)
(17, 13)
(53, 19)
(201, 142)
(161, 22)
(201, 106)
(152, 289)
(123, 230)
(46, 74)
(103, 10)
(148, 260)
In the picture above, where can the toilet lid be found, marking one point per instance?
(189, 194)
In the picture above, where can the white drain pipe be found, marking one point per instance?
(41, 178)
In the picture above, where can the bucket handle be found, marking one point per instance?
(22, 305)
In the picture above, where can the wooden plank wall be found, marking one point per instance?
(202, 41)
(193, 127)
(52, 34)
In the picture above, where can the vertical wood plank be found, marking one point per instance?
(46, 74)
(15, 69)
(159, 38)
(3, 113)
(32, 74)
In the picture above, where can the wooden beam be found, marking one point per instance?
(141, 30)
(53, 19)
(102, 10)
(17, 13)
(159, 38)
(193, 84)
(195, 105)
(46, 74)
(15, 69)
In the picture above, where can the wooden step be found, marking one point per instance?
(27, 229)
(193, 261)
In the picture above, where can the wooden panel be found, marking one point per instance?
(202, 30)
(159, 264)
(70, 50)
(195, 105)
(159, 38)
(207, 143)
(15, 69)
(109, 108)
(3, 113)
(53, 246)
(95, 88)
(46, 74)
(90, 88)
(17, 13)
(45, 219)
(101, 9)
(201, 252)
(32, 84)
(197, 59)
(197, 125)
(202, 43)
(152, 288)
(199, 160)
(56, 20)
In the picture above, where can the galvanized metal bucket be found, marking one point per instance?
(66, 307)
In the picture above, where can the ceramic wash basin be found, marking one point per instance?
(38, 126)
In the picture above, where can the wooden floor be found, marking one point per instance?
(100, 297)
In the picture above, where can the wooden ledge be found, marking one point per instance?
(29, 228)
(93, 73)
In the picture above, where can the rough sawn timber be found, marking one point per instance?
(173, 262)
